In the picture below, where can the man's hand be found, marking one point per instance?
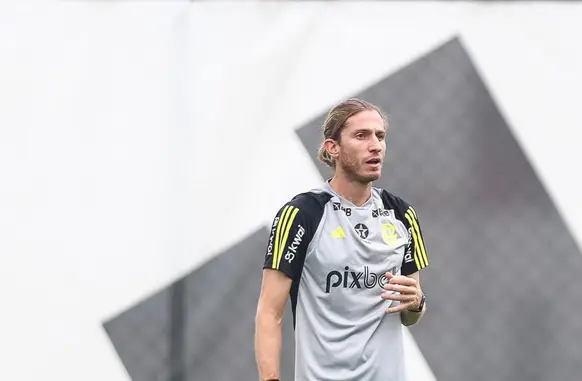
(404, 290)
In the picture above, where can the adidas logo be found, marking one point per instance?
(339, 233)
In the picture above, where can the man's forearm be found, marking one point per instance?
(268, 343)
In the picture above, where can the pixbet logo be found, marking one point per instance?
(356, 279)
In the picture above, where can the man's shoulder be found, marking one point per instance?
(305, 208)
(391, 200)
(312, 200)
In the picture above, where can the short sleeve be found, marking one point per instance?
(288, 240)
(415, 255)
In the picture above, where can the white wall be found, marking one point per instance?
(110, 116)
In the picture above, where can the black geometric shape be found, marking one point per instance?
(362, 230)
(504, 299)
(201, 327)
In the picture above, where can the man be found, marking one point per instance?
(348, 255)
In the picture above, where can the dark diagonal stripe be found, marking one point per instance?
(504, 283)
(201, 327)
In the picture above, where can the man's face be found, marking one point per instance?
(362, 147)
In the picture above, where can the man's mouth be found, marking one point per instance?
(373, 161)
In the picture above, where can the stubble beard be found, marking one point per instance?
(353, 171)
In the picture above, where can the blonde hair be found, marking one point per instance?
(336, 121)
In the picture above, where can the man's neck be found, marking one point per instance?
(355, 192)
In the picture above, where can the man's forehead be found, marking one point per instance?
(369, 119)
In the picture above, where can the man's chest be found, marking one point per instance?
(359, 243)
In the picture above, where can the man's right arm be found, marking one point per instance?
(289, 238)
(269, 322)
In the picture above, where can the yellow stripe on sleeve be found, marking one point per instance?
(423, 259)
(423, 247)
(284, 223)
(415, 238)
(412, 212)
(286, 236)
(278, 233)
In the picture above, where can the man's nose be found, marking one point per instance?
(375, 145)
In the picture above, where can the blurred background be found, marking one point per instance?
(146, 146)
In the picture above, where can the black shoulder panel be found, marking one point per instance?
(396, 203)
(313, 206)
(311, 200)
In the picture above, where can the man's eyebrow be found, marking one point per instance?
(363, 129)
(369, 130)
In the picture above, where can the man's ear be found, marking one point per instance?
(332, 147)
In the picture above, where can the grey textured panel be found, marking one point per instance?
(201, 327)
(504, 289)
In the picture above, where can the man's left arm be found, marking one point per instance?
(409, 292)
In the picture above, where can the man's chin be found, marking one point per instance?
(362, 174)
(369, 177)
